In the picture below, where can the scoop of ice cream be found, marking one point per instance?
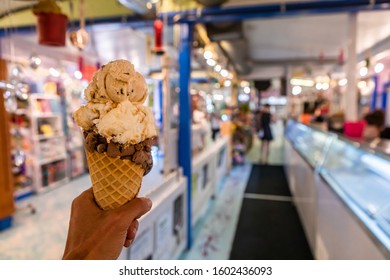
(84, 117)
(127, 123)
(114, 110)
(138, 89)
(87, 116)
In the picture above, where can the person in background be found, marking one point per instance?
(265, 133)
(336, 122)
(375, 126)
(95, 234)
(215, 124)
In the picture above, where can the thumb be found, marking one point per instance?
(135, 208)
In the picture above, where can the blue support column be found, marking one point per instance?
(385, 94)
(384, 101)
(374, 95)
(160, 103)
(185, 117)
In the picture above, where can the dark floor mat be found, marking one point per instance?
(269, 230)
(268, 179)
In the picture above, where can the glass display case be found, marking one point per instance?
(360, 175)
(358, 172)
(308, 141)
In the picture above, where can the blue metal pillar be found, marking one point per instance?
(384, 101)
(385, 94)
(160, 104)
(374, 95)
(185, 117)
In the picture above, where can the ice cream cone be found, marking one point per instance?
(115, 181)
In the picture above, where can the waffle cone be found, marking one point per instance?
(114, 181)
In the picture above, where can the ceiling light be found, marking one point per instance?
(318, 86)
(302, 82)
(363, 71)
(78, 75)
(379, 67)
(227, 83)
(211, 62)
(296, 90)
(325, 86)
(247, 90)
(217, 68)
(343, 82)
(224, 73)
(208, 54)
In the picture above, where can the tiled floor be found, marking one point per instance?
(41, 235)
(215, 233)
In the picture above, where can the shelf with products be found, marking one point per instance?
(53, 174)
(21, 150)
(72, 100)
(49, 141)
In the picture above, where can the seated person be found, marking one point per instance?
(375, 126)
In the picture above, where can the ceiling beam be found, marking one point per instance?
(295, 61)
(225, 14)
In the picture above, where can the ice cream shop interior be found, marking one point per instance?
(259, 129)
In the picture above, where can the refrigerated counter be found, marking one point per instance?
(342, 192)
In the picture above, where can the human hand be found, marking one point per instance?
(97, 234)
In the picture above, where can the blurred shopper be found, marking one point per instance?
(215, 124)
(264, 133)
(375, 126)
(239, 139)
(336, 122)
(95, 234)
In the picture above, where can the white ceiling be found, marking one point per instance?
(308, 36)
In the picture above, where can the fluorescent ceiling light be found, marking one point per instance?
(343, 82)
(224, 73)
(379, 68)
(363, 71)
(211, 62)
(208, 54)
(302, 82)
(296, 90)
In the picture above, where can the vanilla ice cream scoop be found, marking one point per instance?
(114, 110)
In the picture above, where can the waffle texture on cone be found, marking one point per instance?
(114, 181)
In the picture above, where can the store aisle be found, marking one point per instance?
(269, 226)
(276, 146)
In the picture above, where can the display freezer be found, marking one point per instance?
(347, 184)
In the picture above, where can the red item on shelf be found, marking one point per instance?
(51, 29)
